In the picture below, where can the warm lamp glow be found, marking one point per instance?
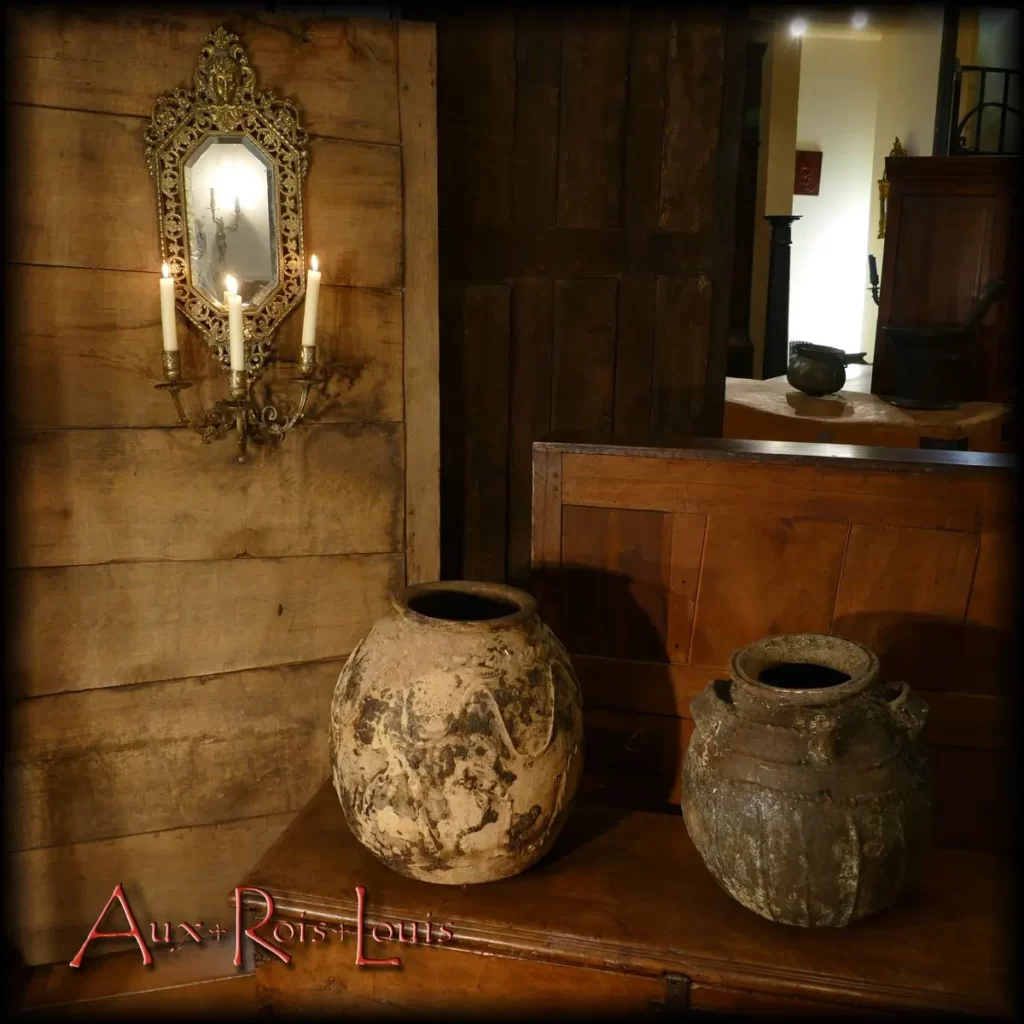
(797, 27)
(859, 20)
(314, 263)
(231, 284)
(166, 270)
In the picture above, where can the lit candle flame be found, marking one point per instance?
(231, 284)
(315, 263)
(167, 270)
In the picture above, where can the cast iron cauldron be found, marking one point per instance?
(937, 366)
(816, 369)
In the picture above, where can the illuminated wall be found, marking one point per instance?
(836, 114)
(908, 87)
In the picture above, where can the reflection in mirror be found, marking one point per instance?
(229, 192)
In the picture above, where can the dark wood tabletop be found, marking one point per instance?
(626, 890)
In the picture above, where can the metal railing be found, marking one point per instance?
(968, 133)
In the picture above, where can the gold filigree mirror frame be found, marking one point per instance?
(225, 103)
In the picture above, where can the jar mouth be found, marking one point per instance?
(804, 668)
(465, 604)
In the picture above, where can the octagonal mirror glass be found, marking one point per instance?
(232, 229)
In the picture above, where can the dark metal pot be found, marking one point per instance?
(931, 366)
(816, 369)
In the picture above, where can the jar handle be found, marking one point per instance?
(908, 710)
(823, 745)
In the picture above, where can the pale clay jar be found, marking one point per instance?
(456, 734)
(810, 804)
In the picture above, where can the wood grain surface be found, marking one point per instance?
(654, 565)
(97, 626)
(626, 892)
(180, 616)
(91, 496)
(59, 891)
(588, 165)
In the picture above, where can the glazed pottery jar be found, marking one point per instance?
(456, 734)
(816, 369)
(806, 788)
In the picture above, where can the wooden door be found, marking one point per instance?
(586, 184)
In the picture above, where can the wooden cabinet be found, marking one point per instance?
(951, 228)
(620, 917)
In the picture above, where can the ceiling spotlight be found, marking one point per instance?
(859, 20)
(797, 27)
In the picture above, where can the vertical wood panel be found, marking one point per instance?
(645, 124)
(538, 91)
(688, 532)
(546, 536)
(584, 367)
(682, 337)
(695, 63)
(926, 575)
(476, 113)
(722, 268)
(577, 106)
(418, 113)
(634, 354)
(616, 571)
(530, 408)
(594, 67)
(640, 201)
(763, 578)
(479, 431)
(990, 622)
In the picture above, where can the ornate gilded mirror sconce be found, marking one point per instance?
(229, 163)
(883, 187)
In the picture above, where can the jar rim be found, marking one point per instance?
(813, 348)
(493, 597)
(855, 660)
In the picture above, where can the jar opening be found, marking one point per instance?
(799, 675)
(458, 606)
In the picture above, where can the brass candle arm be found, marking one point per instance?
(261, 423)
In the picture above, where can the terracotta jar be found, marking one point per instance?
(805, 786)
(456, 734)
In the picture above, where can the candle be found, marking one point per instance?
(312, 302)
(167, 311)
(235, 329)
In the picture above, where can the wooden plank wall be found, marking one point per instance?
(653, 569)
(586, 188)
(181, 616)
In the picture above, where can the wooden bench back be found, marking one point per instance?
(654, 564)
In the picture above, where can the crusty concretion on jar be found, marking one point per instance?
(456, 734)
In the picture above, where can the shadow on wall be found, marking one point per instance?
(632, 760)
(933, 652)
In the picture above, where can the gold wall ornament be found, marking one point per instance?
(883, 187)
(229, 162)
